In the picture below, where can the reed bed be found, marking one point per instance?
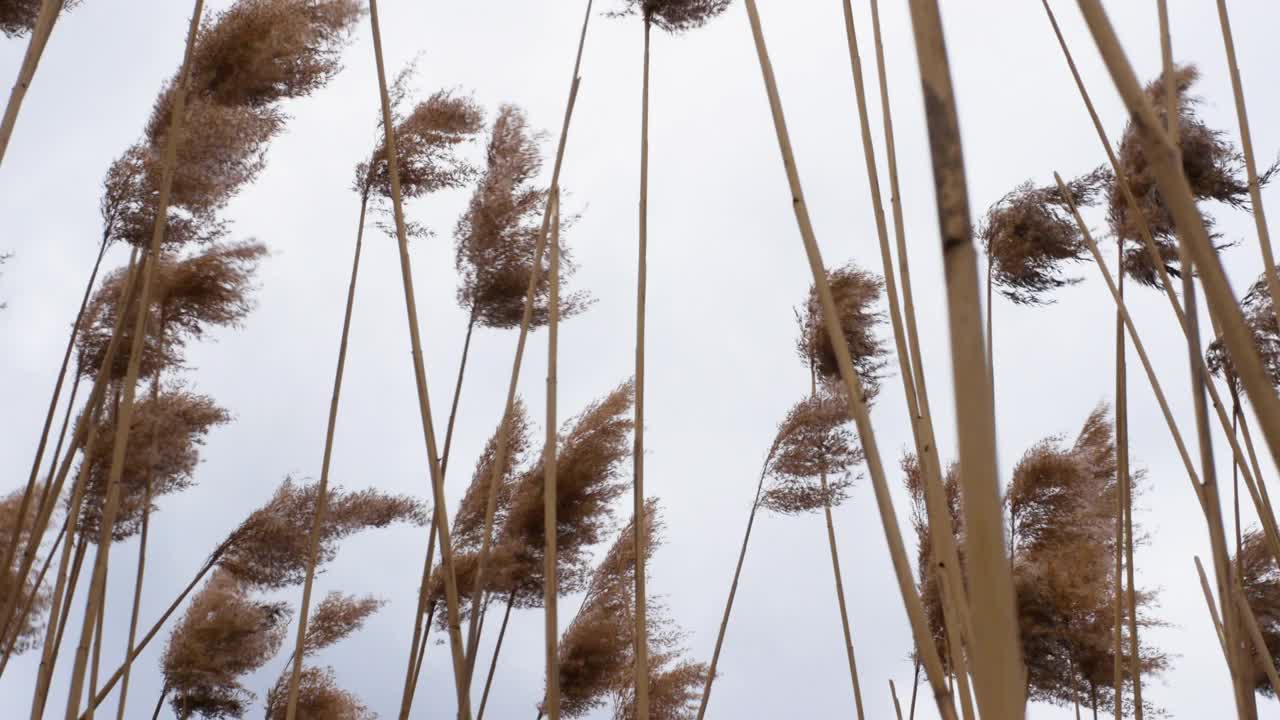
(1019, 585)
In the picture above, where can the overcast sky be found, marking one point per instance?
(726, 268)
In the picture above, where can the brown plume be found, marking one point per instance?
(815, 443)
(1029, 234)
(468, 521)
(319, 698)
(497, 235)
(596, 649)
(164, 449)
(427, 143)
(1213, 167)
(674, 16)
(857, 294)
(336, 617)
(927, 564)
(18, 17)
(223, 636)
(1260, 315)
(209, 288)
(269, 549)
(30, 633)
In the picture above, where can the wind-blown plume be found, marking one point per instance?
(674, 16)
(468, 521)
(319, 698)
(164, 449)
(497, 234)
(1260, 315)
(1029, 234)
(224, 635)
(336, 617)
(857, 293)
(28, 635)
(269, 549)
(1214, 168)
(815, 442)
(18, 17)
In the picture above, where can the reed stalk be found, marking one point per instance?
(27, 606)
(322, 492)
(893, 693)
(853, 386)
(1250, 164)
(420, 379)
(550, 591)
(640, 633)
(955, 650)
(844, 610)
(49, 10)
(996, 651)
(940, 528)
(1123, 496)
(504, 435)
(137, 592)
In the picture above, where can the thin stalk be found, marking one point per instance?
(493, 663)
(1192, 475)
(640, 634)
(1235, 476)
(733, 592)
(956, 650)
(28, 493)
(895, 315)
(853, 386)
(550, 523)
(95, 661)
(844, 611)
(1250, 164)
(97, 585)
(991, 331)
(996, 651)
(1122, 493)
(915, 689)
(57, 625)
(49, 10)
(160, 702)
(504, 435)
(422, 652)
(893, 693)
(420, 380)
(457, 389)
(940, 527)
(322, 493)
(155, 629)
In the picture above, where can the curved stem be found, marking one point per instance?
(322, 492)
(640, 633)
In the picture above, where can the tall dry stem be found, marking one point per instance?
(853, 386)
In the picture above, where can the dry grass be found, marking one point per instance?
(319, 698)
(814, 453)
(1261, 582)
(28, 634)
(18, 17)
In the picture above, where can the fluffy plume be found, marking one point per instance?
(427, 143)
(164, 448)
(269, 549)
(813, 456)
(497, 234)
(319, 698)
(258, 52)
(224, 635)
(1213, 167)
(1260, 315)
(1261, 581)
(18, 17)
(856, 293)
(28, 635)
(336, 617)
(1029, 234)
(207, 289)
(596, 648)
(674, 16)
(1062, 503)
(928, 585)
(468, 522)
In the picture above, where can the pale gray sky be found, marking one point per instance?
(726, 268)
